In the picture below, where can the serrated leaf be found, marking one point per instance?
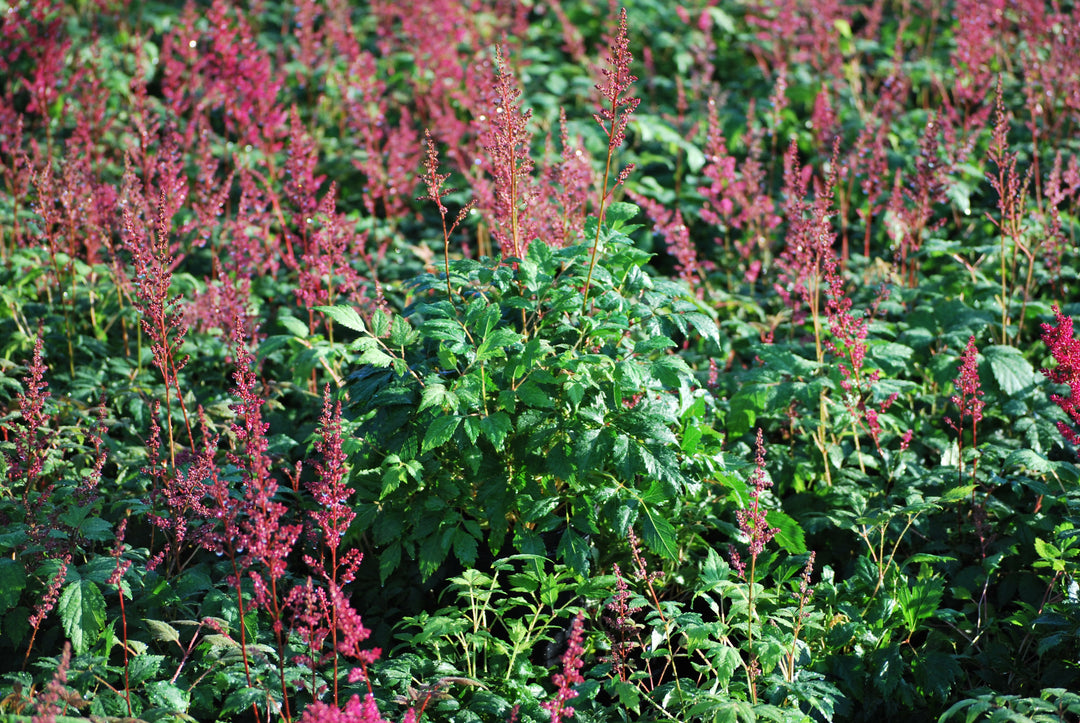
(163, 631)
(1029, 459)
(347, 316)
(714, 570)
(958, 494)
(574, 551)
(1046, 551)
(1011, 370)
(376, 358)
(465, 547)
(790, 536)
(439, 433)
(171, 697)
(658, 533)
(380, 323)
(144, 667)
(619, 212)
(444, 329)
(435, 395)
(495, 427)
(82, 613)
(534, 396)
(240, 701)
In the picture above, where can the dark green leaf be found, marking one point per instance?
(495, 427)
(439, 433)
(12, 583)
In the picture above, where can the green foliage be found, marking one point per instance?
(509, 433)
(515, 414)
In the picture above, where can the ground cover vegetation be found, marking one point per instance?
(539, 361)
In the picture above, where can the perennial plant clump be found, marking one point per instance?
(281, 440)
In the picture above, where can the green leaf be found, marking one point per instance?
(495, 427)
(464, 547)
(534, 396)
(294, 326)
(143, 667)
(435, 395)
(440, 431)
(1011, 370)
(574, 551)
(619, 212)
(376, 358)
(1046, 551)
(714, 570)
(380, 323)
(791, 536)
(958, 494)
(1029, 459)
(163, 631)
(82, 613)
(347, 316)
(658, 533)
(919, 600)
(12, 583)
(241, 701)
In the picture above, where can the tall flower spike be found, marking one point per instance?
(616, 107)
(752, 521)
(507, 140)
(31, 443)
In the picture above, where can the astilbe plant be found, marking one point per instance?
(758, 533)
(570, 675)
(621, 629)
(434, 180)
(1012, 220)
(31, 434)
(617, 104)
(265, 538)
(506, 137)
(332, 517)
(152, 259)
(47, 706)
(968, 401)
(1065, 349)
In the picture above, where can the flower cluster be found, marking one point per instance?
(1066, 352)
(573, 660)
(752, 521)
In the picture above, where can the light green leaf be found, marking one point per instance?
(658, 533)
(791, 536)
(163, 631)
(376, 358)
(380, 323)
(1046, 551)
(347, 316)
(1011, 370)
(619, 212)
(435, 395)
(294, 326)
